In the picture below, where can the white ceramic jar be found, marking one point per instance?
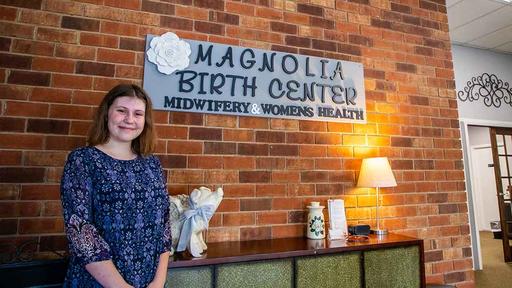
(316, 222)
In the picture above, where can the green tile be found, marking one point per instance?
(337, 271)
(393, 268)
(260, 274)
(193, 277)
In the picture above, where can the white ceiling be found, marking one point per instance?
(484, 24)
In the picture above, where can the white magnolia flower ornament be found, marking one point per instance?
(168, 53)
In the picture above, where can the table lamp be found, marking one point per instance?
(375, 173)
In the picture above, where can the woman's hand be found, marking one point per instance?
(154, 284)
(161, 272)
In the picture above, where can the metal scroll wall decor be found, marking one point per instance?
(492, 90)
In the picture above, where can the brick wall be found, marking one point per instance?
(57, 59)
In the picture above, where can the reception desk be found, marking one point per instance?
(388, 261)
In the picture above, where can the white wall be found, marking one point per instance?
(471, 62)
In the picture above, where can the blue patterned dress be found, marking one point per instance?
(114, 209)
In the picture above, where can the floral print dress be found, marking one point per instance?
(114, 210)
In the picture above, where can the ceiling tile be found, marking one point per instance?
(465, 11)
(452, 2)
(495, 38)
(483, 26)
(507, 48)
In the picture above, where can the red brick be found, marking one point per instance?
(44, 158)
(310, 9)
(254, 176)
(300, 137)
(312, 151)
(125, 71)
(117, 29)
(5, 44)
(72, 81)
(209, 28)
(21, 175)
(270, 190)
(56, 35)
(271, 217)
(184, 147)
(329, 189)
(255, 233)
(52, 208)
(253, 149)
(238, 219)
(255, 204)
(48, 126)
(106, 83)
(21, 141)
(238, 135)
(8, 124)
(285, 231)
(314, 176)
(205, 133)
(40, 192)
(210, 4)
(176, 23)
(225, 18)
(64, 143)
(239, 163)
(116, 56)
(253, 122)
(159, 8)
(221, 121)
(29, 78)
(284, 150)
(131, 4)
(53, 64)
(41, 225)
(31, 4)
(15, 61)
(75, 52)
(8, 226)
(101, 40)
(16, 30)
(20, 209)
(205, 162)
(220, 177)
(93, 68)
(132, 44)
(240, 8)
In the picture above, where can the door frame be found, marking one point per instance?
(507, 255)
(468, 172)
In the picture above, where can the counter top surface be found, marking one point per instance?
(238, 251)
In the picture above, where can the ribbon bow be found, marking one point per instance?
(190, 219)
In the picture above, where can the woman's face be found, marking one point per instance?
(126, 118)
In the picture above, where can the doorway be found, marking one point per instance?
(484, 207)
(501, 142)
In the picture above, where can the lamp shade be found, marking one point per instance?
(376, 172)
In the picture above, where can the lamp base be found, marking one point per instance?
(379, 231)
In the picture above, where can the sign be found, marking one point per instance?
(204, 77)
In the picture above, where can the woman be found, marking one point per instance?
(115, 200)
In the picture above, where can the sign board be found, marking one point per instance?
(203, 77)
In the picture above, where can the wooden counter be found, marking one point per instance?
(298, 251)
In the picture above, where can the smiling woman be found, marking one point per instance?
(114, 199)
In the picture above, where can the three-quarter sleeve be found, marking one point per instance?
(167, 247)
(166, 237)
(85, 243)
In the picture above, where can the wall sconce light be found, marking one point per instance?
(376, 173)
